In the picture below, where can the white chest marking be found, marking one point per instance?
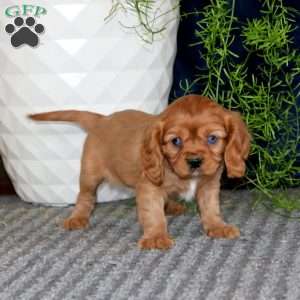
(190, 193)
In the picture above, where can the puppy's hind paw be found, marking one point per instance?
(160, 242)
(223, 232)
(173, 208)
(73, 223)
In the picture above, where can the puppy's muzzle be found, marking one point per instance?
(194, 163)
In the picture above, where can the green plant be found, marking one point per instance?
(265, 95)
(148, 18)
(281, 203)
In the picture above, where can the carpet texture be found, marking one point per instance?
(39, 260)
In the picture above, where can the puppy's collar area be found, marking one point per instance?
(189, 194)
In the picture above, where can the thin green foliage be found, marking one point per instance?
(281, 203)
(266, 97)
(149, 19)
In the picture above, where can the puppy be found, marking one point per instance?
(181, 151)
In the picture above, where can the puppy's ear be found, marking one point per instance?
(152, 158)
(238, 145)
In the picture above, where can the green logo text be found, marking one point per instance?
(25, 10)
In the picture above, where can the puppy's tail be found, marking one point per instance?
(87, 120)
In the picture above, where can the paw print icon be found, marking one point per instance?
(24, 32)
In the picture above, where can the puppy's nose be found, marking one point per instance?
(194, 163)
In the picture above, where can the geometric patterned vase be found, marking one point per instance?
(63, 54)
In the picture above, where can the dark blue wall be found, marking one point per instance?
(188, 59)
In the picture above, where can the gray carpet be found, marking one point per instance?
(39, 260)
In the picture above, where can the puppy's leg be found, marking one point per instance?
(173, 208)
(150, 206)
(208, 201)
(90, 178)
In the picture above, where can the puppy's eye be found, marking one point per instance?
(212, 139)
(177, 142)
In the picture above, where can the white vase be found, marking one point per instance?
(70, 58)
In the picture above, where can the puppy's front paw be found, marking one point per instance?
(161, 242)
(223, 232)
(73, 223)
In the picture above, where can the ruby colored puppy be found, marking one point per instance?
(181, 151)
